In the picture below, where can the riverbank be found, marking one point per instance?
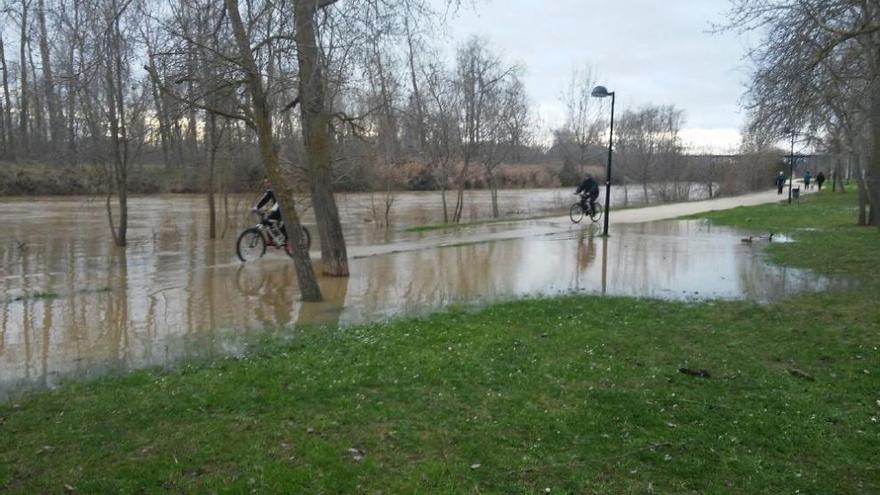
(574, 394)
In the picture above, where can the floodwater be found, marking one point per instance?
(72, 305)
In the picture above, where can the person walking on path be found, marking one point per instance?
(820, 179)
(807, 179)
(780, 182)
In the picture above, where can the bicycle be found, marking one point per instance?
(251, 243)
(577, 212)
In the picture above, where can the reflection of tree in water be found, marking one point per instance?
(117, 337)
(328, 311)
(425, 279)
(762, 282)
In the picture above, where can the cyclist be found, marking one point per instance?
(274, 210)
(589, 191)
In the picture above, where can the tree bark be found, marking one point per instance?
(872, 182)
(161, 113)
(38, 130)
(55, 124)
(7, 107)
(315, 120)
(420, 113)
(212, 160)
(118, 129)
(308, 283)
(23, 76)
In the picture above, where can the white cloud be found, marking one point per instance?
(717, 141)
(649, 52)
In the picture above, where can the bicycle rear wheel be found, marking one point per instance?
(597, 213)
(250, 245)
(576, 213)
(306, 242)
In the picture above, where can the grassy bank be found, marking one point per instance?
(574, 395)
(824, 226)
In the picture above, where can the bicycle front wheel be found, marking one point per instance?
(576, 213)
(250, 245)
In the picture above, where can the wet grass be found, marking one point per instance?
(50, 294)
(824, 226)
(570, 394)
(47, 294)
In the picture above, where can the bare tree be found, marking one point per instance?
(479, 74)
(23, 110)
(582, 120)
(442, 133)
(55, 117)
(504, 123)
(649, 148)
(814, 49)
(9, 136)
(262, 121)
(315, 118)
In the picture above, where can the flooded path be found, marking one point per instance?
(71, 305)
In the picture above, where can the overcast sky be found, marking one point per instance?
(647, 51)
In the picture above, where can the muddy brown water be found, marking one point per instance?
(72, 305)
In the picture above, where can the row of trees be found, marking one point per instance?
(817, 78)
(313, 89)
(298, 80)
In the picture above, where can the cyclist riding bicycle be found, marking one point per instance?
(274, 211)
(589, 191)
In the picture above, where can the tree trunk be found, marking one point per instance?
(317, 140)
(459, 198)
(493, 191)
(420, 114)
(37, 110)
(55, 125)
(445, 207)
(161, 114)
(212, 159)
(308, 283)
(71, 96)
(873, 171)
(7, 107)
(23, 117)
(864, 217)
(118, 131)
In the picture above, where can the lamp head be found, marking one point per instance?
(600, 92)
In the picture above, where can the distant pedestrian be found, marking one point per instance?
(807, 179)
(820, 179)
(780, 182)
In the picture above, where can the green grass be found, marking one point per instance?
(574, 394)
(824, 226)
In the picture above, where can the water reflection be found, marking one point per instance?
(73, 305)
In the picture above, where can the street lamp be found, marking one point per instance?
(791, 131)
(602, 92)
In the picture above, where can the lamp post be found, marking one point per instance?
(602, 92)
(790, 163)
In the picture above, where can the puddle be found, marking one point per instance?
(174, 294)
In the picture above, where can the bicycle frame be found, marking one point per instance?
(266, 231)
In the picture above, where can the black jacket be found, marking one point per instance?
(268, 196)
(589, 186)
